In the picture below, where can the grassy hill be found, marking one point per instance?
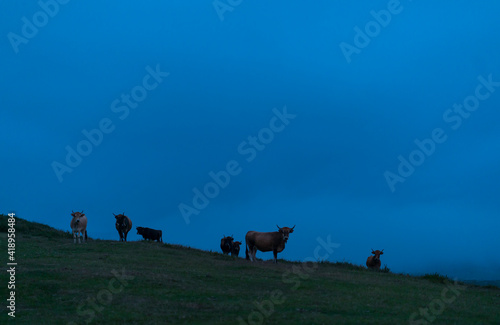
(108, 282)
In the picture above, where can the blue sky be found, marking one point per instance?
(393, 145)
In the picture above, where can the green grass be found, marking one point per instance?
(57, 282)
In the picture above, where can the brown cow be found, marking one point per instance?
(78, 225)
(123, 225)
(373, 262)
(235, 251)
(267, 241)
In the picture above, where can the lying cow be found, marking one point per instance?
(373, 262)
(78, 224)
(235, 251)
(123, 225)
(150, 234)
(266, 241)
(226, 244)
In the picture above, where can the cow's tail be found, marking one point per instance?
(161, 236)
(246, 252)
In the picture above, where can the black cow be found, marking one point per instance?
(148, 233)
(226, 244)
(123, 225)
(235, 251)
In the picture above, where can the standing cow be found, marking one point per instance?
(226, 244)
(373, 261)
(235, 251)
(78, 225)
(123, 225)
(267, 241)
(150, 234)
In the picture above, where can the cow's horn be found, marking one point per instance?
(381, 250)
(293, 226)
(82, 211)
(278, 227)
(72, 211)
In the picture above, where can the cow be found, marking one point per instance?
(266, 241)
(150, 234)
(226, 244)
(78, 225)
(235, 251)
(123, 225)
(373, 261)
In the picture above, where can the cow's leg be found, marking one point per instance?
(275, 253)
(124, 236)
(253, 252)
(250, 253)
(74, 237)
(78, 234)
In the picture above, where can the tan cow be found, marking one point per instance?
(266, 242)
(79, 225)
(123, 225)
(373, 261)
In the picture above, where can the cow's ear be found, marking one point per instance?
(291, 230)
(381, 253)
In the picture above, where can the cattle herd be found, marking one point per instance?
(263, 241)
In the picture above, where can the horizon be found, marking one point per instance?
(369, 125)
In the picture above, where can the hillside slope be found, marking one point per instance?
(110, 282)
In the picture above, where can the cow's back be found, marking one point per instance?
(264, 241)
(369, 261)
(83, 223)
(129, 224)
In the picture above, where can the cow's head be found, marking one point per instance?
(121, 220)
(139, 230)
(77, 215)
(228, 240)
(285, 232)
(237, 244)
(377, 254)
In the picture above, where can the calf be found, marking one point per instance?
(226, 244)
(150, 234)
(123, 225)
(235, 251)
(267, 241)
(373, 261)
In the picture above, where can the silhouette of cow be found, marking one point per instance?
(123, 225)
(78, 224)
(373, 261)
(266, 242)
(226, 244)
